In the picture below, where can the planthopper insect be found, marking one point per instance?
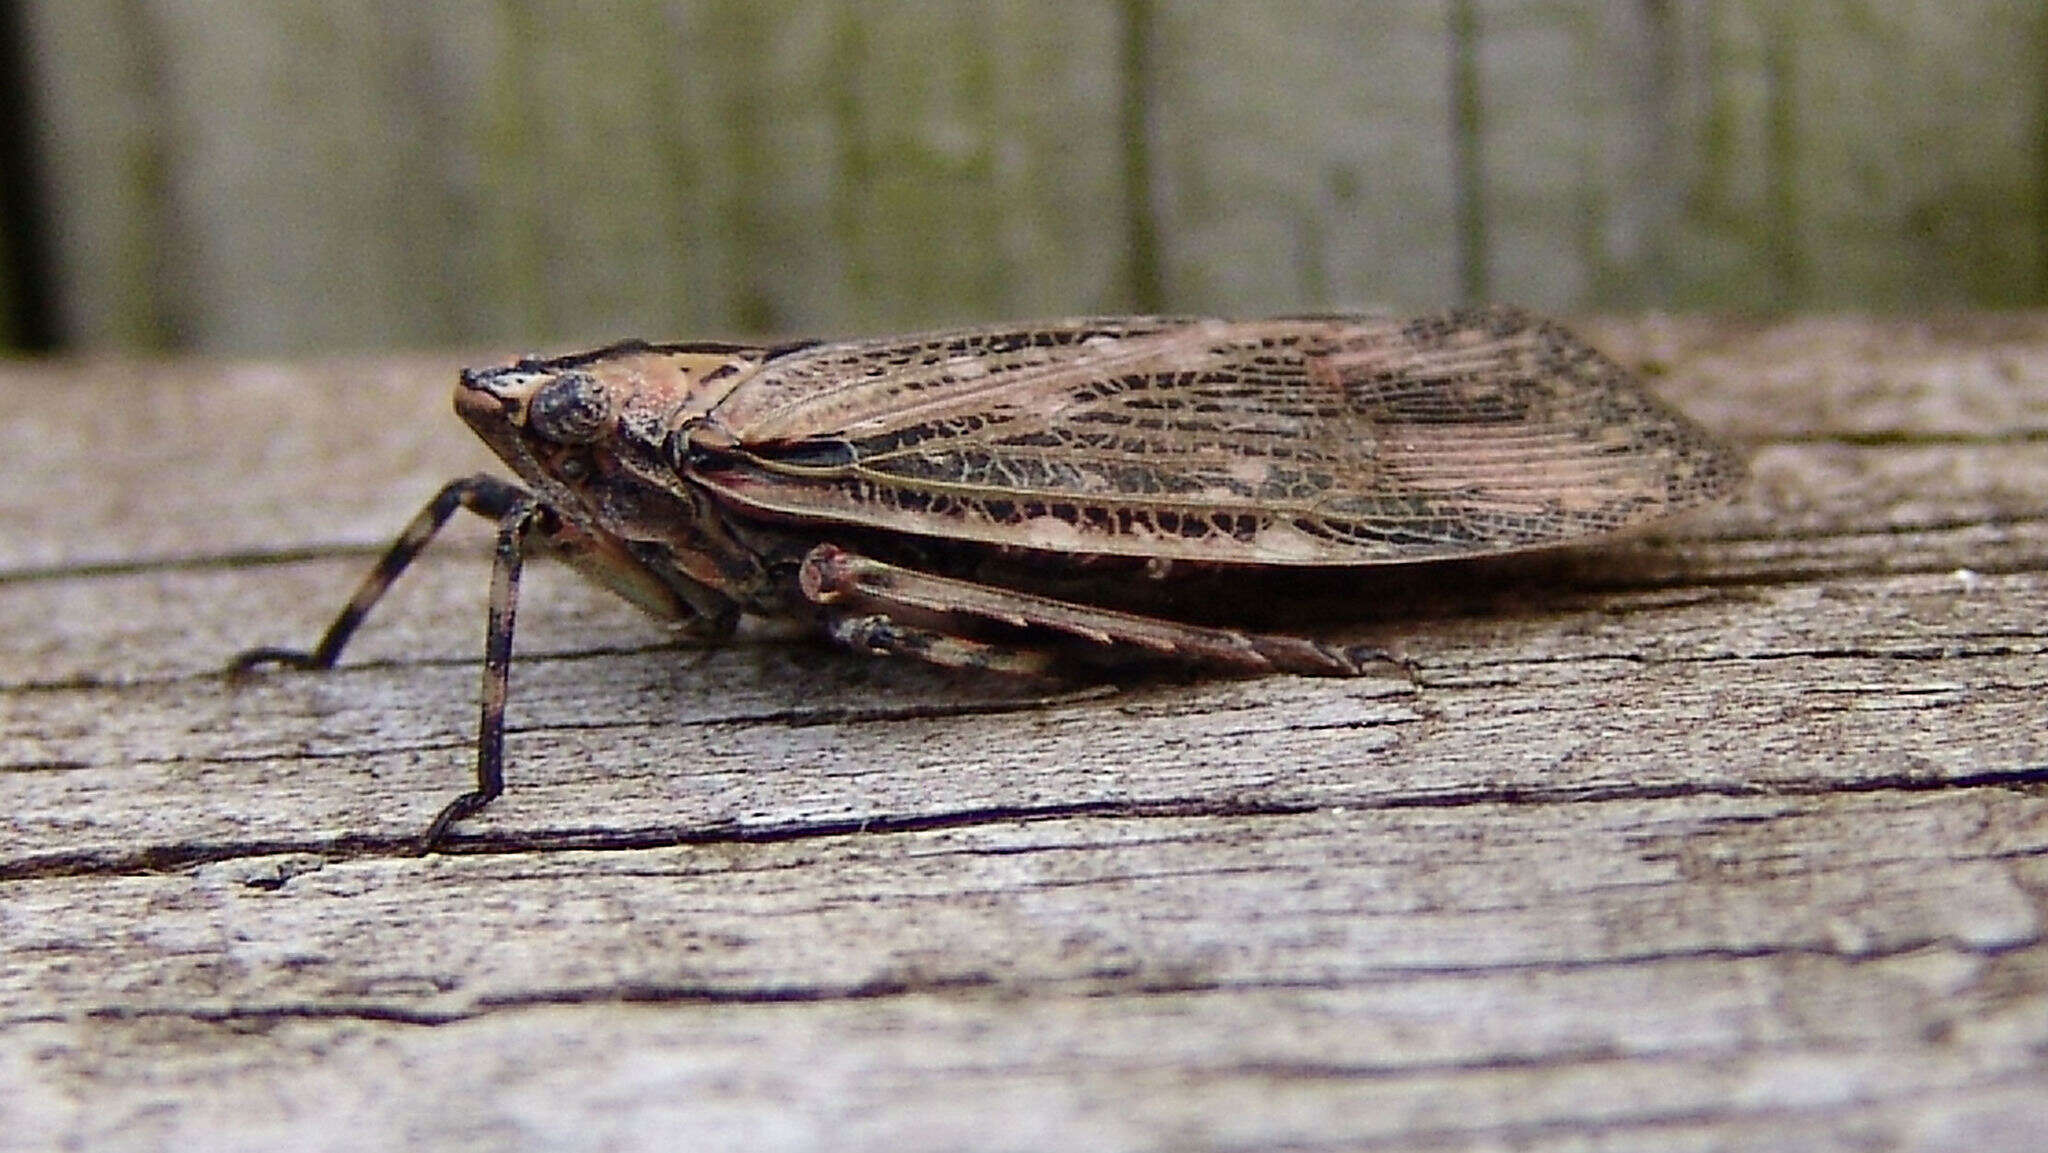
(1022, 499)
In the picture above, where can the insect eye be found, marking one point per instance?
(573, 408)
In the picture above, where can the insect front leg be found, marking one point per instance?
(483, 495)
(866, 595)
(517, 512)
(490, 735)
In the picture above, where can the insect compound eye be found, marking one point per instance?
(573, 408)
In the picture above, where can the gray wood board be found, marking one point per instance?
(383, 174)
(1732, 836)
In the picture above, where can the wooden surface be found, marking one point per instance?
(1731, 837)
(391, 174)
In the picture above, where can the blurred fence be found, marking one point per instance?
(322, 174)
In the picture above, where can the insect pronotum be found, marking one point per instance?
(966, 497)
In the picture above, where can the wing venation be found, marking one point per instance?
(1316, 441)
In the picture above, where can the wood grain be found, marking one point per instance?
(389, 174)
(1730, 837)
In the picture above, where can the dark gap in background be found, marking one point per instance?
(28, 293)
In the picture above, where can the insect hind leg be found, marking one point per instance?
(484, 495)
(872, 599)
(878, 633)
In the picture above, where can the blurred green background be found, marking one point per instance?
(301, 175)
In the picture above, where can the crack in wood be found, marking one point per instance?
(170, 858)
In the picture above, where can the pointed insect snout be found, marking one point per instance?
(496, 394)
(493, 400)
(513, 383)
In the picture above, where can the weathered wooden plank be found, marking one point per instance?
(392, 174)
(263, 456)
(1661, 973)
(389, 174)
(740, 743)
(1727, 837)
(1838, 157)
(1303, 155)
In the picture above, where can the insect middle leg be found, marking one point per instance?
(518, 513)
(870, 598)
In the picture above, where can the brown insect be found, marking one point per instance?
(1025, 499)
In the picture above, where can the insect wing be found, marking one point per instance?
(1338, 441)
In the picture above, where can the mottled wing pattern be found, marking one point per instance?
(862, 388)
(1337, 441)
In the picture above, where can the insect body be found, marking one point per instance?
(956, 496)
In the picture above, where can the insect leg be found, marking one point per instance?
(484, 495)
(876, 633)
(834, 577)
(513, 526)
(516, 512)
